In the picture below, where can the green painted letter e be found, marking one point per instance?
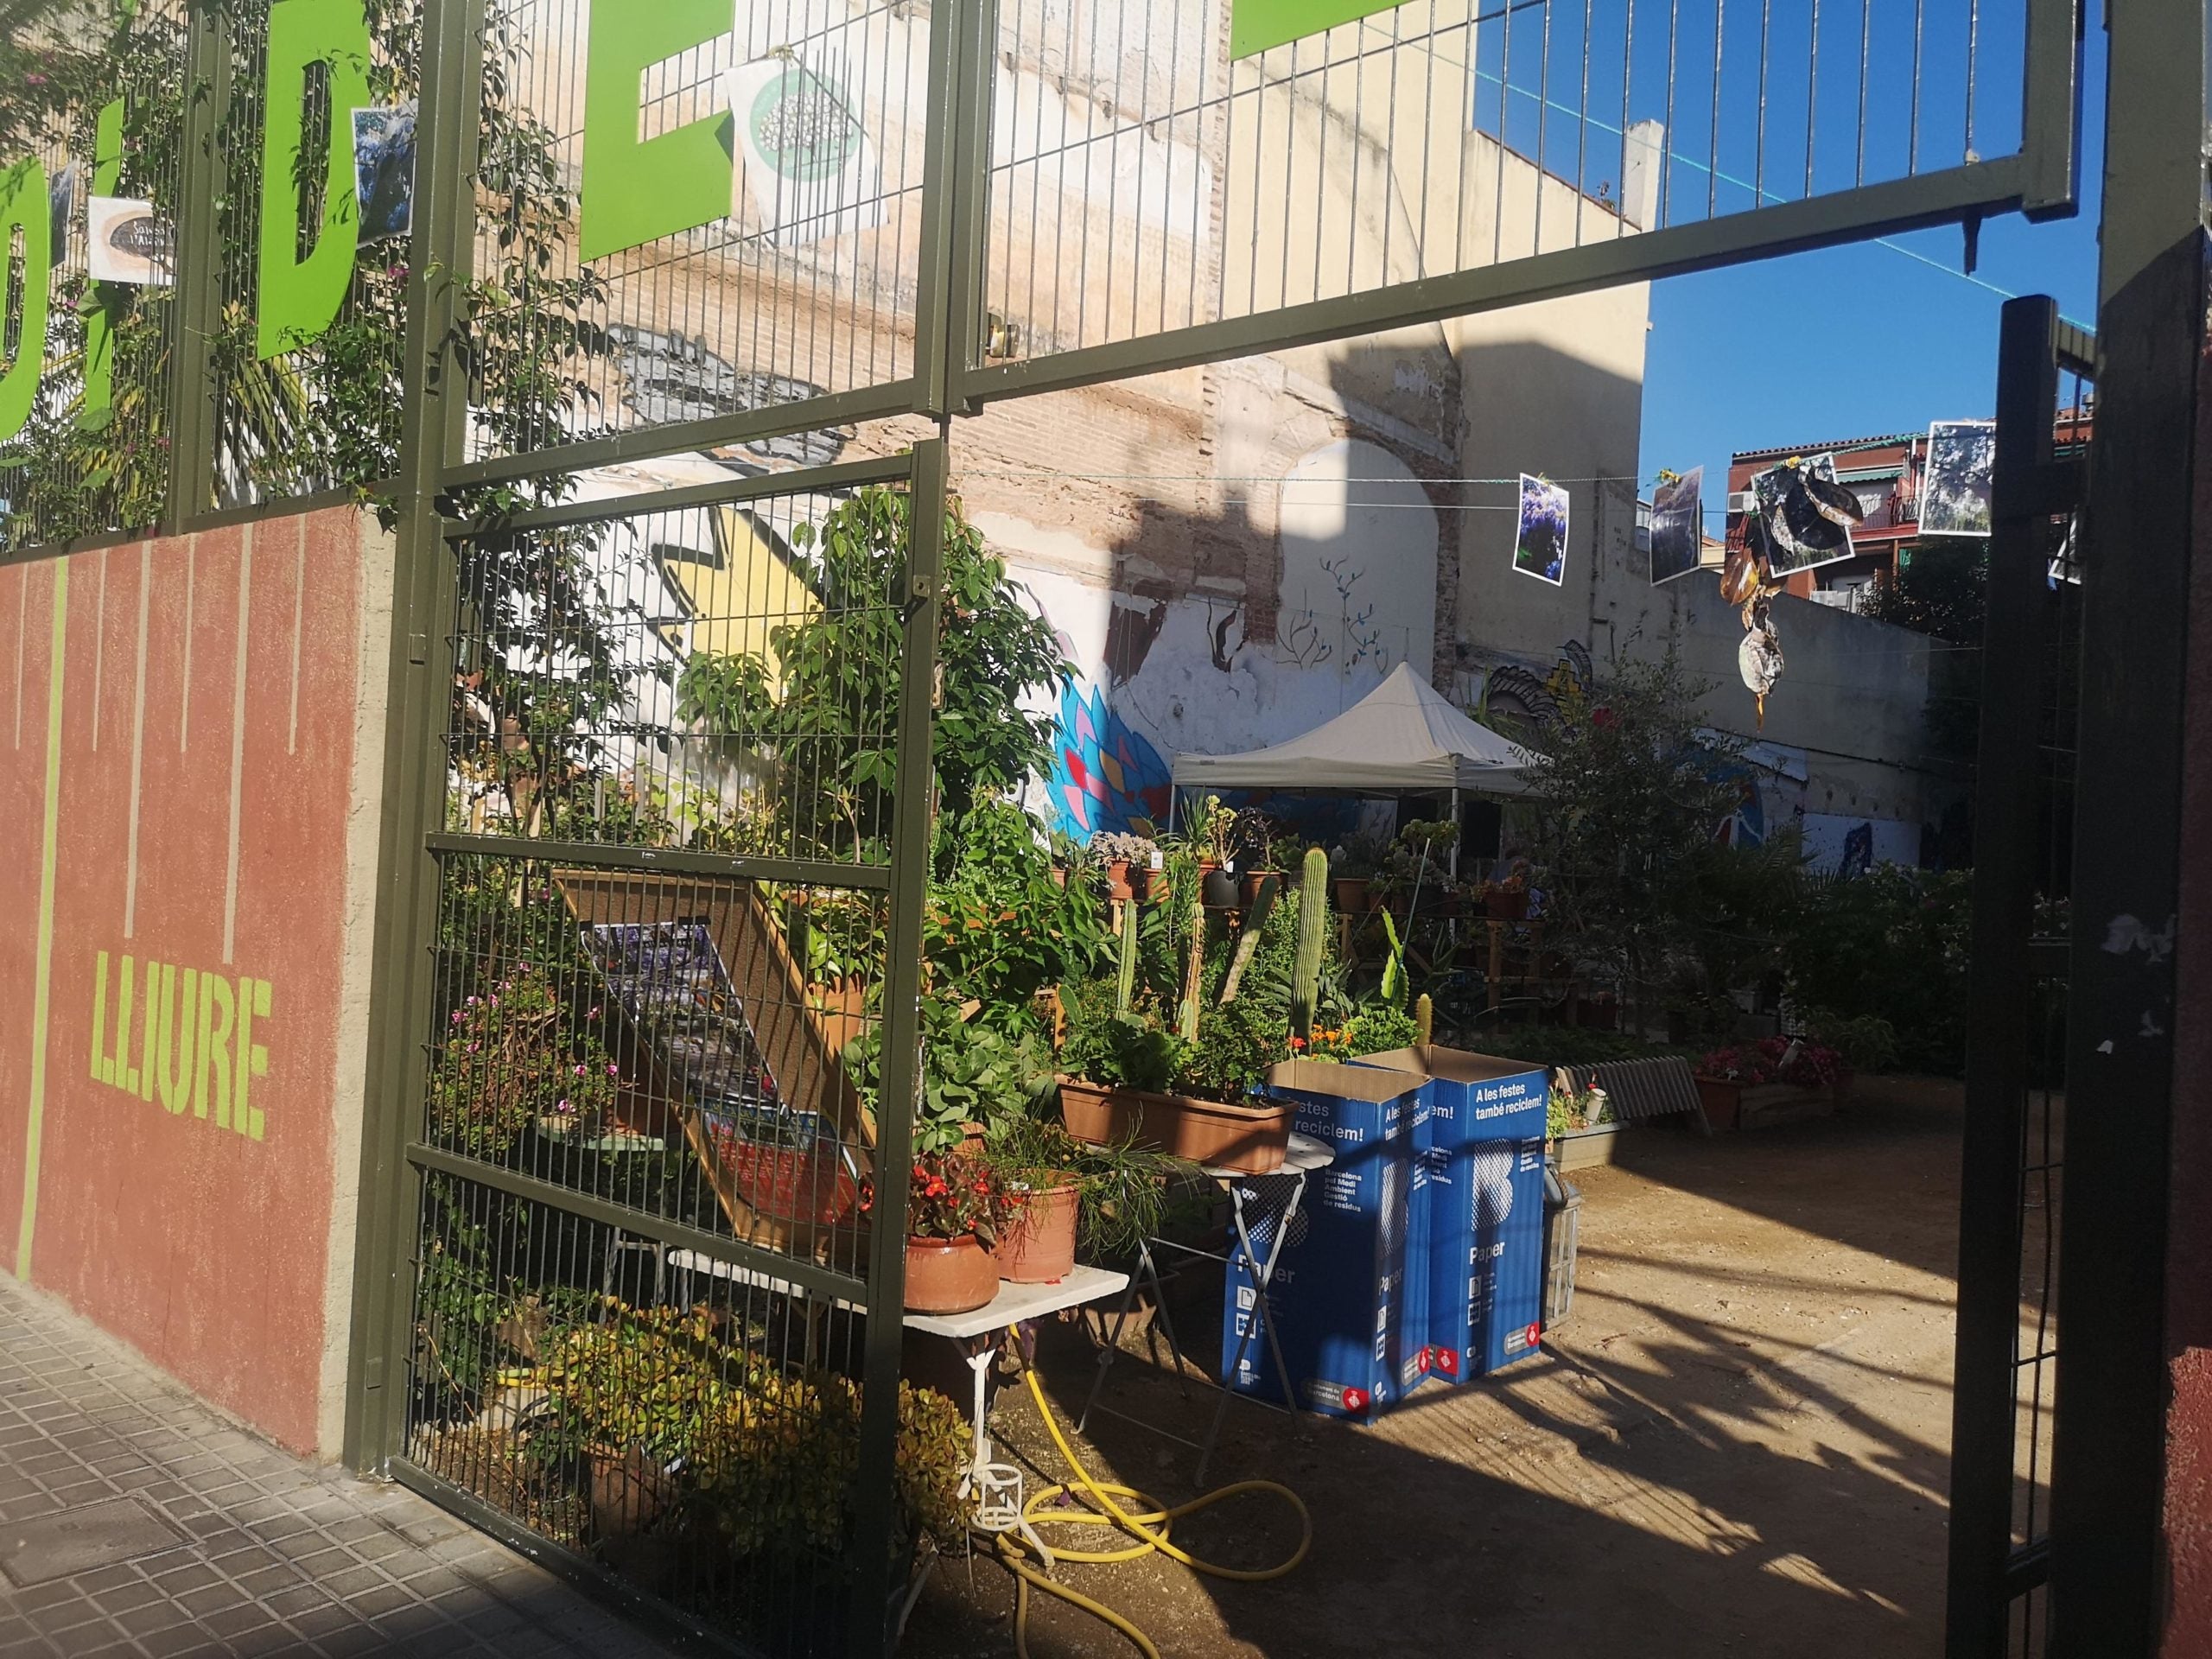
(635, 190)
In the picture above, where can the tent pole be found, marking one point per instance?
(1455, 836)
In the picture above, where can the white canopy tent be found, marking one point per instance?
(1403, 738)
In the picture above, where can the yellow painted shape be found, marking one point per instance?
(42, 980)
(736, 595)
(252, 1059)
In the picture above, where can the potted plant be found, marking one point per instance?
(1254, 841)
(957, 1206)
(1353, 867)
(1118, 855)
(514, 1059)
(1213, 827)
(1579, 1123)
(1750, 1085)
(1128, 1081)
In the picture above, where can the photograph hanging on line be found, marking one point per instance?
(1540, 536)
(1954, 491)
(129, 244)
(2066, 556)
(61, 208)
(1806, 515)
(808, 165)
(383, 169)
(1677, 525)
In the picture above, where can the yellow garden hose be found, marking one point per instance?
(1039, 1511)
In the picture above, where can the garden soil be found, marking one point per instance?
(1735, 1443)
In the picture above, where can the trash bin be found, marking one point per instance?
(1482, 1145)
(1350, 1335)
(1562, 1237)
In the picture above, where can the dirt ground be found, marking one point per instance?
(1735, 1443)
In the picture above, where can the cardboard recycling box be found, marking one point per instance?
(1350, 1334)
(1479, 1141)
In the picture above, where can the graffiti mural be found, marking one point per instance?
(1105, 775)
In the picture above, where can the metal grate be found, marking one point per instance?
(1143, 180)
(659, 1065)
(807, 286)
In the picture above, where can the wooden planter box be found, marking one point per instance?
(1584, 1148)
(1761, 1105)
(1249, 1138)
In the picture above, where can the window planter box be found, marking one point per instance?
(1586, 1149)
(1249, 1138)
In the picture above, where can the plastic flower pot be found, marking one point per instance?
(1217, 887)
(949, 1276)
(1038, 1246)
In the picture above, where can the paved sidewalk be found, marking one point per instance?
(210, 1541)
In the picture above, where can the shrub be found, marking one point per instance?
(511, 1055)
(1891, 946)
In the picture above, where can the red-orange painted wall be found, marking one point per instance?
(209, 684)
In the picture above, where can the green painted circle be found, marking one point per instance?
(802, 130)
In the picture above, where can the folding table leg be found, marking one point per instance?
(1262, 1274)
(1145, 1272)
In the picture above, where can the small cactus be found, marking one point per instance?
(1424, 1020)
(1312, 940)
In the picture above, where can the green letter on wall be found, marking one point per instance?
(23, 207)
(300, 297)
(98, 402)
(636, 191)
(1255, 25)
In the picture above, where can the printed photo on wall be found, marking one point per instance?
(129, 244)
(1677, 524)
(1806, 515)
(1539, 538)
(808, 165)
(1954, 494)
(384, 170)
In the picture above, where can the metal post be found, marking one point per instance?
(2143, 544)
(418, 687)
(914, 806)
(196, 310)
(2016, 671)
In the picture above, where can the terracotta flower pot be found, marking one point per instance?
(1117, 877)
(1252, 1139)
(1146, 884)
(1038, 1248)
(1351, 894)
(949, 1276)
(1506, 906)
(629, 1492)
(1248, 884)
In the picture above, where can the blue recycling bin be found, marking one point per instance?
(1352, 1333)
(1479, 1143)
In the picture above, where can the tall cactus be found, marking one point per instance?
(1312, 940)
(1425, 1021)
(1125, 990)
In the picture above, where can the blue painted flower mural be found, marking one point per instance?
(1105, 775)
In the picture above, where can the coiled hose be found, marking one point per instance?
(1149, 1527)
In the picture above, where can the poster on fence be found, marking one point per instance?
(670, 979)
(808, 165)
(1677, 524)
(129, 244)
(384, 170)
(1955, 491)
(1540, 530)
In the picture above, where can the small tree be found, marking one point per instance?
(823, 703)
(1627, 800)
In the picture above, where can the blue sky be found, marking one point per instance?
(1880, 342)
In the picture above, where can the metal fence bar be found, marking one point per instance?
(2016, 669)
(418, 690)
(915, 804)
(198, 303)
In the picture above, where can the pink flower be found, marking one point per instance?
(593, 1013)
(458, 1016)
(613, 1069)
(580, 1071)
